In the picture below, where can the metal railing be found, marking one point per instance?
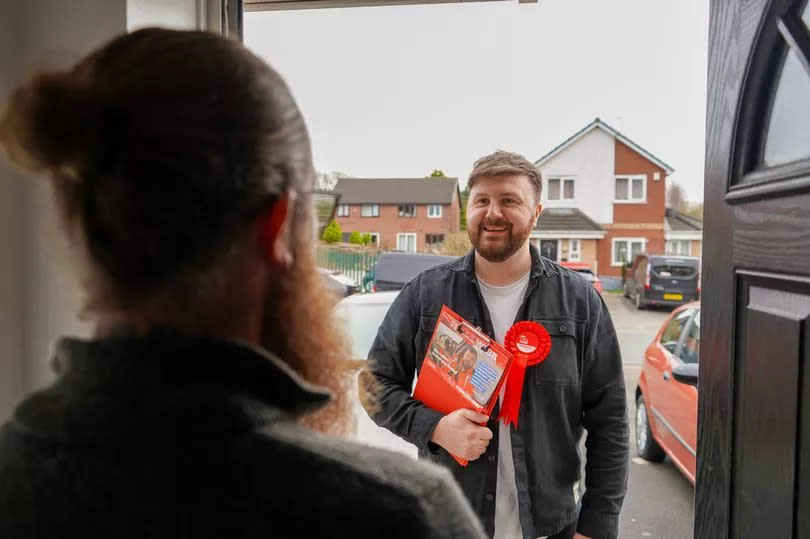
(354, 263)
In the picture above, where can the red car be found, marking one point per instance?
(586, 271)
(666, 395)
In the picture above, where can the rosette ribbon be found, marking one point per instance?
(529, 344)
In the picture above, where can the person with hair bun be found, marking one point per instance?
(208, 399)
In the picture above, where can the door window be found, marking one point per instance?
(690, 348)
(672, 334)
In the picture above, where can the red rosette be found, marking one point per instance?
(529, 343)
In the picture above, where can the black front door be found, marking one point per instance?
(548, 248)
(753, 477)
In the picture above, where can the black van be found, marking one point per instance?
(394, 269)
(662, 280)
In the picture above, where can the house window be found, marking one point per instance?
(561, 189)
(370, 210)
(406, 242)
(407, 210)
(574, 250)
(625, 249)
(679, 247)
(434, 211)
(375, 238)
(343, 210)
(631, 189)
(434, 239)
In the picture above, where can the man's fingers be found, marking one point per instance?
(473, 416)
(484, 433)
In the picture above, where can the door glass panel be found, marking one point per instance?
(806, 15)
(672, 333)
(690, 349)
(788, 136)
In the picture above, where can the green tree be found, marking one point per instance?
(332, 233)
(356, 238)
(366, 239)
(437, 173)
(465, 196)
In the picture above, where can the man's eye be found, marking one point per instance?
(481, 201)
(509, 201)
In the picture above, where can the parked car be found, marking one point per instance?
(586, 271)
(338, 282)
(666, 394)
(394, 269)
(662, 280)
(362, 315)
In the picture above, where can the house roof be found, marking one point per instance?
(566, 219)
(396, 190)
(599, 124)
(681, 222)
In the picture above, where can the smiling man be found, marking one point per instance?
(524, 482)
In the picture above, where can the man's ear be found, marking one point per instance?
(274, 231)
(537, 211)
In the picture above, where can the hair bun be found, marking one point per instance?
(48, 122)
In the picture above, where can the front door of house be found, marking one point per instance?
(548, 248)
(753, 477)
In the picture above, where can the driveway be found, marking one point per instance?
(660, 499)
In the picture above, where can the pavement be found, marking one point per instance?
(659, 500)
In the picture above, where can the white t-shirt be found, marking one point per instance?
(503, 303)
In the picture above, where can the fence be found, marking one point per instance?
(353, 263)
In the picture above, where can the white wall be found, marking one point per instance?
(591, 160)
(40, 295)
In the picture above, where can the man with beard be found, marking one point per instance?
(182, 168)
(525, 481)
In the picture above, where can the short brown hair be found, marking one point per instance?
(503, 163)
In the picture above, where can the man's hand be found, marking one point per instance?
(461, 434)
(580, 536)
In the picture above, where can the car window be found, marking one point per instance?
(362, 322)
(690, 350)
(674, 270)
(672, 333)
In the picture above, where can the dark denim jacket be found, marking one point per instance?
(580, 384)
(169, 436)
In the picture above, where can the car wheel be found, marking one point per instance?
(648, 448)
(639, 301)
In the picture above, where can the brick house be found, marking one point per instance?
(405, 214)
(605, 200)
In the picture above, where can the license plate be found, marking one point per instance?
(678, 297)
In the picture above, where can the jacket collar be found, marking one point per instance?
(165, 383)
(541, 267)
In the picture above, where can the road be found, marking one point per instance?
(659, 499)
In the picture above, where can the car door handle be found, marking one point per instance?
(666, 377)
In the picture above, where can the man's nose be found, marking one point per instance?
(494, 211)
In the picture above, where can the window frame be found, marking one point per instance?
(415, 241)
(374, 210)
(670, 252)
(630, 179)
(430, 212)
(400, 212)
(562, 180)
(571, 250)
(340, 210)
(629, 242)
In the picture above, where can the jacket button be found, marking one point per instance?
(490, 497)
(563, 328)
(491, 458)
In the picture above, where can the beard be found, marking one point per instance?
(499, 249)
(300, 328)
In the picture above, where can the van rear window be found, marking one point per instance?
(672, 270)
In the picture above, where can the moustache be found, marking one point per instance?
(505, 224)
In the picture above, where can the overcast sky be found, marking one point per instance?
(398, 91)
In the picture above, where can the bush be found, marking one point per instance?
(457, 244)
(332, 233)
(366, 239)
(356, 238)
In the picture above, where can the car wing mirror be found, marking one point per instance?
(686, 373)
